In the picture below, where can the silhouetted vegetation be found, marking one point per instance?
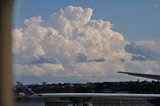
(98, 87)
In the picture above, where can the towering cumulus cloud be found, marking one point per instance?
(69, 44)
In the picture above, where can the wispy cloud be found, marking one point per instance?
(156, 3)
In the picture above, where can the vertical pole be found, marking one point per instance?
(6, 98)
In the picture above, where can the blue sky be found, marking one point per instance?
(77, 44)
(135, 19)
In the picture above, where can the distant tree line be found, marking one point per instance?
(98, 87)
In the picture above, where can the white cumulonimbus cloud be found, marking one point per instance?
(70, 44)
